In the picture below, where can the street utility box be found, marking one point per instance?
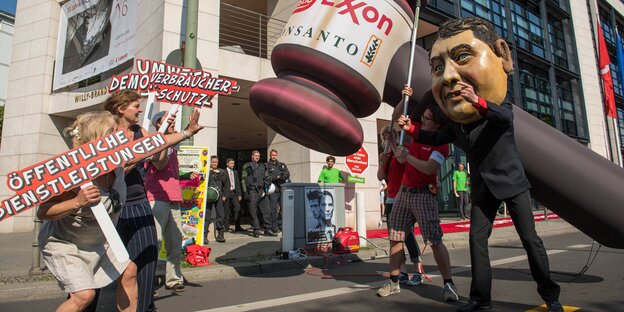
(312, 213)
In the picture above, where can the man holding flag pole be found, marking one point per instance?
(415, 202)
(411, 61)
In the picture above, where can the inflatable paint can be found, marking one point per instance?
(331, 63)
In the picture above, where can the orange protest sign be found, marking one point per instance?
(174, 84)
(38, 183)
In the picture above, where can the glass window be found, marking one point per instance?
(533, 18)
(565, 101)
(607, 28)
(557, 43)
(491, 10)
(528, 29)
(617, 84)
(536, 92)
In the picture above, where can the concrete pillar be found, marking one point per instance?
(29, 134)
(361, 216)
(588, 68)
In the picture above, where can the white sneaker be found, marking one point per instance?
(450, 292)
(388, 289)
(415, 280)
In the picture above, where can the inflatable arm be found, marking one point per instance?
(579, 185)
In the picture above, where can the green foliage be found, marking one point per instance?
(370, 54)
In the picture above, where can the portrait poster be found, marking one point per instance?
(320, 214)
(94, 36)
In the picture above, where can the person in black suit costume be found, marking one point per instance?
(216, 179)
(233, 195)
(469, 66)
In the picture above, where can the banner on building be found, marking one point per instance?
(94, 36)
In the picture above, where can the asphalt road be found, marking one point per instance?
(352, 286)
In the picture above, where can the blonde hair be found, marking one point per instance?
(90, 126)
(119, 100)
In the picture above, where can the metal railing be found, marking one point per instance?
(248, 32)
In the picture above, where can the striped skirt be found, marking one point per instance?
(137, 229)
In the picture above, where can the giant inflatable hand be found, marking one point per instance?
(333, 62)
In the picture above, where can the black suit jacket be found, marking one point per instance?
(491, 149)
(226, 185)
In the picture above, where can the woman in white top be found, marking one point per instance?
(71, 241)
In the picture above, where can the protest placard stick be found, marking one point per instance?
(149, 107)
(178, 121)
(109, 230)
(411, 64)
(165, 123)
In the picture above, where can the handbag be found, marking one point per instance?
(198, 255)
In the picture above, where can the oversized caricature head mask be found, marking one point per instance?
(468, 50)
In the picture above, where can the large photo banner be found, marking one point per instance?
(320, 214)
(193, 159)
(94, 36)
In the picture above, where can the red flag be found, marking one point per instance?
(605, 74)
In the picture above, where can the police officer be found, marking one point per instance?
(253, 176)
(278, 174)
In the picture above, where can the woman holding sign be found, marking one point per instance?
(72, 244)
(136, 224)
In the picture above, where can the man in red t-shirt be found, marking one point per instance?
(392, 171)
(417, 202)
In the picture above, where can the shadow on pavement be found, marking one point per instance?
(522, 274)
(258, 257)
(254, 251)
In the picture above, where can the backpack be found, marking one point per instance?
(198, 255)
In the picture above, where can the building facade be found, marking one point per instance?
(556, 79)
(7, 21)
